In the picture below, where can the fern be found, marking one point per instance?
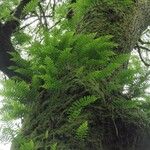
(13, 110)
(15, 90)
(21, 38)
(49, 67)
(82, 131)
(126, 105)
(68, 72)
(6, 10)
(105, 72)
(54, 146)
(31, 6)
(27, 145)
(76, 108)
(50, 70)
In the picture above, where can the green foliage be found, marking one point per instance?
(31, 6)
(15, 90)
(5, 8)
(15, 95)
(73, 78)
(28, 145)
(50, 71)
(13, 110)
(126, 105)
(82, 131)
(76, 108)
(54, 146)
(68, 63)
(21, 38)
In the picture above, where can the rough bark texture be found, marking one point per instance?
(126, 26)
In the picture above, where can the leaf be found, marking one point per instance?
(46, 134)
(81, 132)
(54, 146)
(28, 146)
(76, 108)
(31, 6)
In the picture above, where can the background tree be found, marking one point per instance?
(76, 88)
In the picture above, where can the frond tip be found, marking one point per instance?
(82, 130)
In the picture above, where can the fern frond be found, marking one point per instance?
(126, 105)
(31, 6)
(76, 108)
(15, 90)
(54, 146)
(82, 131)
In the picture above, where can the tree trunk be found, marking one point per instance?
(126, 26)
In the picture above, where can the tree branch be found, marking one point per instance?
(23, 27)
(144, 48)
(44, 15)
(143, 42)
(140, 55)
(6, 31)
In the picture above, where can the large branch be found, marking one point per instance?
(6, 31)
(140, 54)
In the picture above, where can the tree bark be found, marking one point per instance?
(125, 26)
(5, 48)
